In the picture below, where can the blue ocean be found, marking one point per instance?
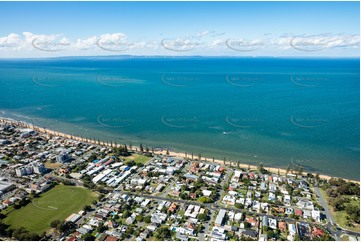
(279, 111)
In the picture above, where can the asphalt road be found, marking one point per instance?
(324, 205)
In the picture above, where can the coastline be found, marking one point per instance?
(158, 152)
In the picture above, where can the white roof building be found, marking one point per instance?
(292, 229)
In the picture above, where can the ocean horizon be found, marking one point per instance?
(278, 111)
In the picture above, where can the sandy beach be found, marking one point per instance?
(134, 148)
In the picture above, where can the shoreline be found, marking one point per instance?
(171, 153)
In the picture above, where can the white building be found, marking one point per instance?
(292, 229)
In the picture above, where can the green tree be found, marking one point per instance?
(55, 223)
(4, 229)
(87, 208)
(353, 212)
(317, 177)
(87, 237)
(126, 214)
(163, 233)
(239, 205)
(270, 234)
(139, 218)
(147, 219)
(203, 217)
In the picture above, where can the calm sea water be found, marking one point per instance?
(279, 111)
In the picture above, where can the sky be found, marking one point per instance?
(51, 29)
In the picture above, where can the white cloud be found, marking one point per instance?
(203, 42)
(84, 44)
(10, 41)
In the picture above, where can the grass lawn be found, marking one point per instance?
(57, 203)
(138, 158)
(340, 216)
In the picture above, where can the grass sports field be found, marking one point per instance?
(138, 158)
(57, 203)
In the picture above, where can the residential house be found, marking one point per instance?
(218, 233)
(316, 214)
(316, 232)
(289, 211)
(172, 208)
(130, 220)
(298, 212)
(279, 209)
(307, 214)
(282, 226)
(265, 221)
(287, 200)
(250, 233)
(263, 186)
(305, 203)
(219, 219)
(271, 196)
(253, 221)
(192, 211)
(158, 218)
(292, 229)
(272, 223)
(111, 238)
